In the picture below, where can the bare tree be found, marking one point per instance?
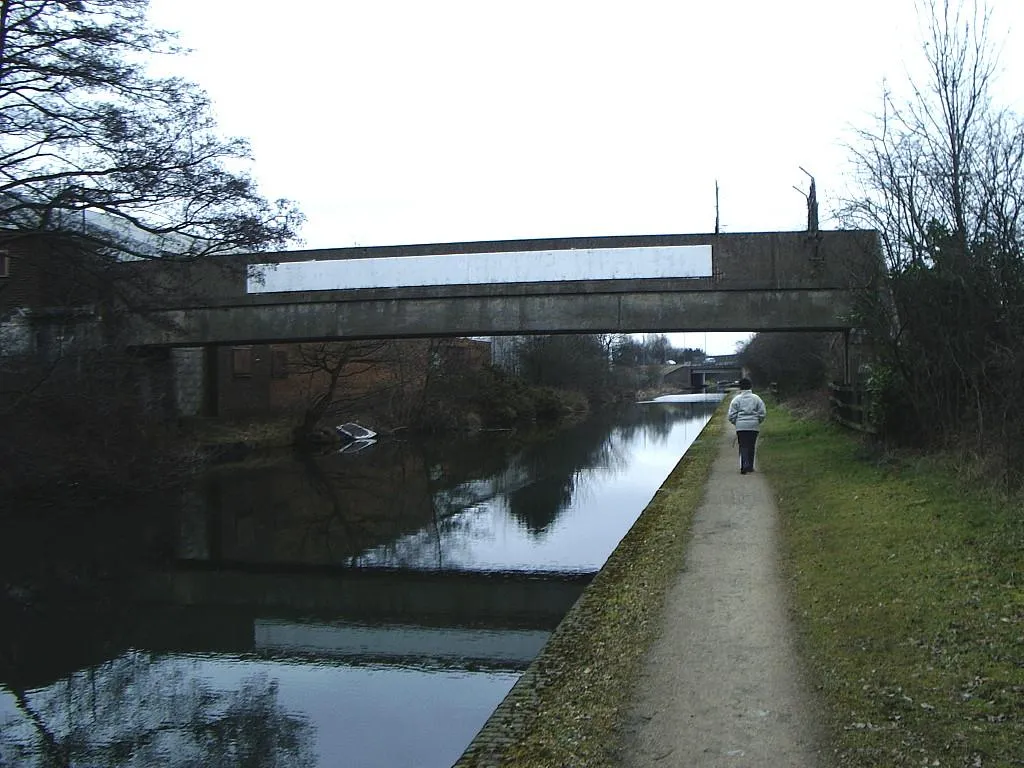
(328, 366)
(941, 177)
(656, 348)
(625, 350)
(946, 155)
(102, 162)
(90, 142)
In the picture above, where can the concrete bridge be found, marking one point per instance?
(654, 283)
(694, 375)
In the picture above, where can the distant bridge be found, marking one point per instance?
(723, 363)
(692, 375)
(654, 283)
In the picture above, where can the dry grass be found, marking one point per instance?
(256, 433)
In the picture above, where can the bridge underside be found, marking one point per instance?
(280, 318)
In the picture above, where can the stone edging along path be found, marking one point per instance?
(569, 707)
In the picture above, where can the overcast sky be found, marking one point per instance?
(409, 122)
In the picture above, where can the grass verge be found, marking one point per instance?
(256, 432)
(565, 709)
(909, 592)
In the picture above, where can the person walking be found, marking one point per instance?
(746, 413)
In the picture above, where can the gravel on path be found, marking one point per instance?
(723, 685)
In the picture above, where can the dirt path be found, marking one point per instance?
(722, 685)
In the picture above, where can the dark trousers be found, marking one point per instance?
(746, 438)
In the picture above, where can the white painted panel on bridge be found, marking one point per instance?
(672, 261)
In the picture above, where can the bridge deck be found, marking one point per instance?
(763, 281)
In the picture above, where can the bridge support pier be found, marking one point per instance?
(846, 356)
(191, 380)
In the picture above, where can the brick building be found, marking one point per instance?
(50, 293)
(262, 379)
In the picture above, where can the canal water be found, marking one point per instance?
(349, 609)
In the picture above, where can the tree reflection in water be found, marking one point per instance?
(537, 483)
(142, 710)
(559, 467)
(411, 503)
(264, 544)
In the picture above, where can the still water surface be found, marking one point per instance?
(344, 610)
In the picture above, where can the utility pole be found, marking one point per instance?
(716, 207)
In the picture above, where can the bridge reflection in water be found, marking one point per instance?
(361, 610)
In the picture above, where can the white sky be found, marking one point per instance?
(394, 122)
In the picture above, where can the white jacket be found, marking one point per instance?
(747, 411)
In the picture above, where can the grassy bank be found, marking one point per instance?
(909, 592)
(565, 709)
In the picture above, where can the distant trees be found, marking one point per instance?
(652, 349)
(592, 365)
(941, 176)
(797, 362)
(605, 367)
(568, 362)
(627, 351)
(657, 349)
(441, 384)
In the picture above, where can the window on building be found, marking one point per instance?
(279, 364)
(241, 361)
(5, 264)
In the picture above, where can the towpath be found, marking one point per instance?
(722, 686)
